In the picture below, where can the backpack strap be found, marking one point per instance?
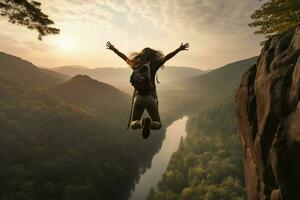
(157, 78)
(148, 65)
(131, 109)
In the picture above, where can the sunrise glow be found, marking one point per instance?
(67, 44)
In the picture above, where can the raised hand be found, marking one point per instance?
(184, 47)
(110, 46)
(116, 51)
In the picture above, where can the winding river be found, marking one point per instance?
(160, 161)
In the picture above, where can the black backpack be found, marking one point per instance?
(140, 79)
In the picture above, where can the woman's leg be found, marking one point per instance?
(137, 112)
(152, 109)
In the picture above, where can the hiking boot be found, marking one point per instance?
(137, 124)
(146, 127)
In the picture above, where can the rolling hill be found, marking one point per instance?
(218, 82)
(46, 144)
(217, 85)
(15, 69)
(93, 96)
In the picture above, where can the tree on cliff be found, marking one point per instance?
(29, 14)
(276, 16)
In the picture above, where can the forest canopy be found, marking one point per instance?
(276, 16)
(29, 14)
(208, 164)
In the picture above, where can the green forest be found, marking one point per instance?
(208, 164)
(54, 147)
(50, 150)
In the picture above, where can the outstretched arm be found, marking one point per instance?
(111, 47)
(182, 47)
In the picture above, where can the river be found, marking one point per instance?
(160, 161)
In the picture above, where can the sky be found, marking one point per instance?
(217, 31)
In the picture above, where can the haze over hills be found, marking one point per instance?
(219, 81)
(94, 96)
(71, 70)
(13, 68)
(121, 75)
(82, 91)
(217, 85)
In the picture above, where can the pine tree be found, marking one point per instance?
(276, 16)
(29, 14)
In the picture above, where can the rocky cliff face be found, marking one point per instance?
(268, 112)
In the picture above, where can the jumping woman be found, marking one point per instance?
(145, 65)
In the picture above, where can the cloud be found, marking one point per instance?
(168, 15)
(214, 27)
(196, 15)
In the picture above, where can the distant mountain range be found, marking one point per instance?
(193, 81)
(80, 91)
(219, 81)
(190, 80)
(118, 76)
(15, 69)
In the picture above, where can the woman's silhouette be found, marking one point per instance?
(154, 60)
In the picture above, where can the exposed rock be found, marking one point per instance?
(268, 112)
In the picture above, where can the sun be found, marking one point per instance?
(67, 43)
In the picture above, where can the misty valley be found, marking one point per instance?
(63, 134)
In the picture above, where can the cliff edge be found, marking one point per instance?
(268, 113)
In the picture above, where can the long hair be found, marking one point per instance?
(146, 55)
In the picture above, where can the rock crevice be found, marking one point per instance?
(268, 112)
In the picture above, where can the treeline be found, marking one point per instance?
(52, 150)
(208, 164)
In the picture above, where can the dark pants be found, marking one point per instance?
(148, 102)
